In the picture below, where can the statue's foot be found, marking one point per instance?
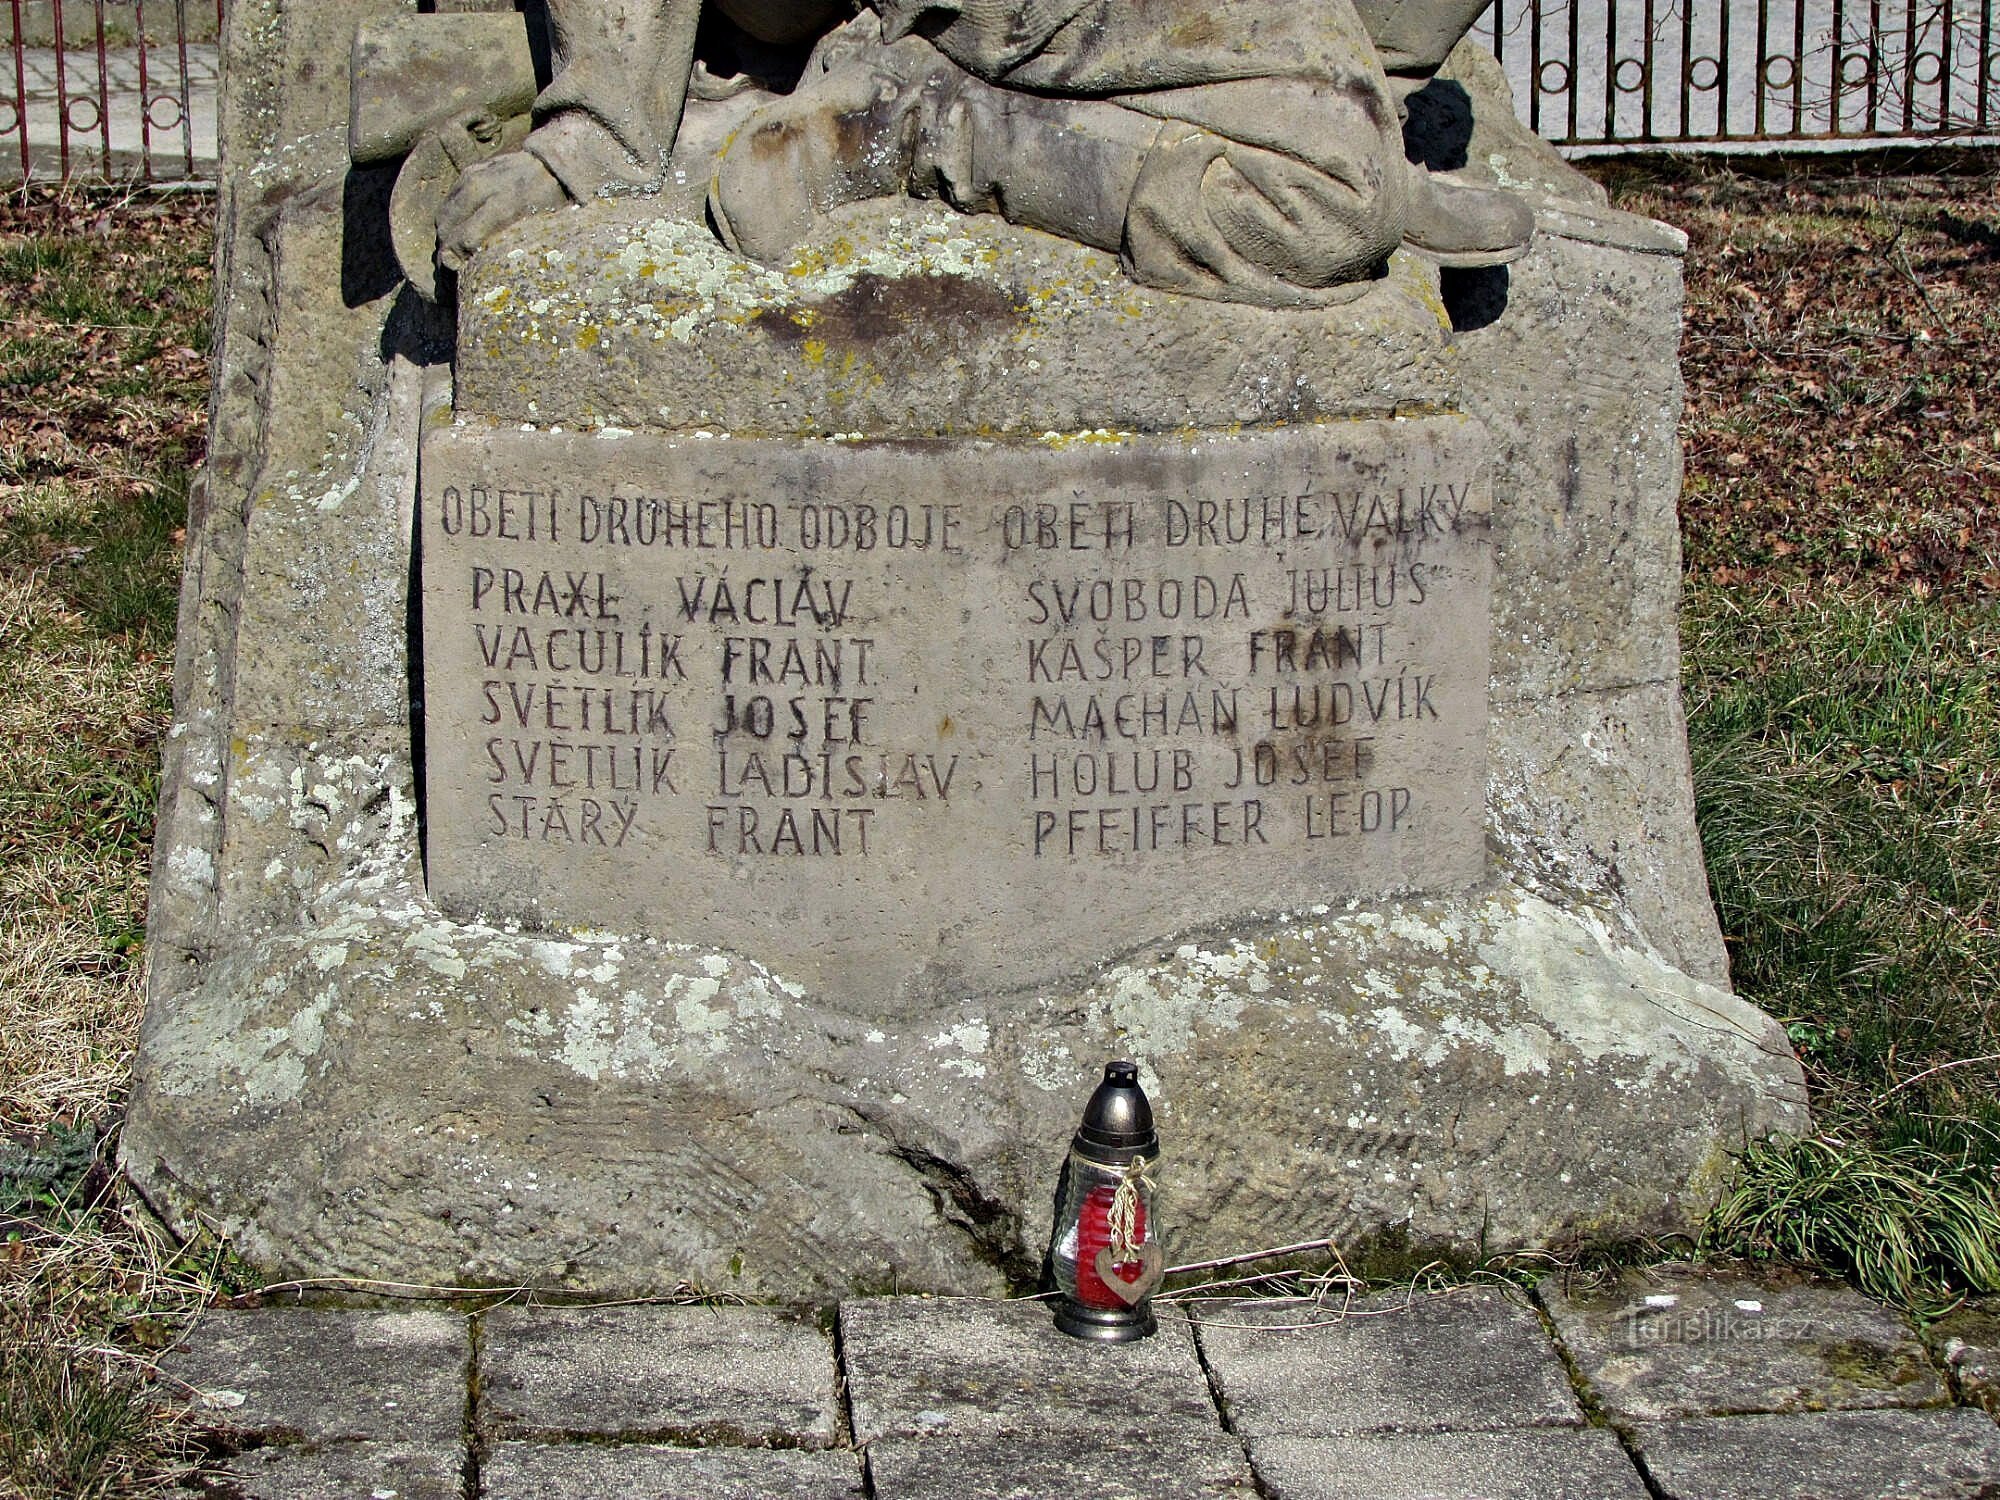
(1458, 225)
(843, 136)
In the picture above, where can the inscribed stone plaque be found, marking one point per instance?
(877, 712)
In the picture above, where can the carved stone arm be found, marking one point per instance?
(621, 74)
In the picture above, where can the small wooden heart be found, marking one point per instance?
(1152, 1266)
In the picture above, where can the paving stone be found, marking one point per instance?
(341, 1471)
(924, 1366)
(1177, 1461)
(1968, 1342)
(639, 1471)
(1467, 1360)
(683, 1374)
(288, 1372)
(1528, 1464)
(1865, 1455)
(1677, 1342)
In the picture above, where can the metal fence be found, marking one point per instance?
(109, 89)
(1618, 73)
(115, 89)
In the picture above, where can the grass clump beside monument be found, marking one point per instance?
(103, 380)
(1842, 641)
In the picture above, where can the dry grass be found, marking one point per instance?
(1842, 650)
(103, 316)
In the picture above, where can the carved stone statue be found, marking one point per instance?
(1234, 149)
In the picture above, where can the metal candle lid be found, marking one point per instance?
(1118, 1120)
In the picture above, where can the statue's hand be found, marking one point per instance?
(489, 197)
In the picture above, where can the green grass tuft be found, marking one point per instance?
(1911, 1225)
(74, 1427)
(1845, 754)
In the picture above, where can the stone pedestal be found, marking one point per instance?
(827, 711)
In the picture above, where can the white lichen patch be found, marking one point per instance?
(432, 946)
(1159, 1010)
(702, 1022)
(970, 1037)
(191, 868)
(1603, 998)
(1049, 1064)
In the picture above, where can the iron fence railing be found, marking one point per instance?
(1616, 73)
(109, 89)
(127, 88)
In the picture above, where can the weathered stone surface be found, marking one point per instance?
(354, 1082)
(924, 1367)
(687, 1374)
(924, 704)
(619, 1112)
(1468, 1360)
(902, 319)
(1678, 1342)
(1967, 1343)
(410, 79)
(324, 1375)
(1908, 1455)
(641, 1471)
(1583, 412)
(1519, 1465)
(1590, 801)
(1173, 1462)
(341, 1471)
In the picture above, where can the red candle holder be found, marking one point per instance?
(1107, 1257)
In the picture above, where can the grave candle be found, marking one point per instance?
(1108, 1260)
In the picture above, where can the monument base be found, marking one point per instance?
(360, 1065)
(391, 1094)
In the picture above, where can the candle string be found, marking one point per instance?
(1124, 1212)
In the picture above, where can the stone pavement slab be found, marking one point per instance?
(1864, 1455)
(342, 1471)
(685, 1374)
(282, 1373)
(926, 1366)
(640, 1471)
(1180, 1461)
(1967, 1342)
(1466, 1360)
(1675, 1342)
(1529, 1464)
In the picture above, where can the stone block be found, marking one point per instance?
(1176, 1461)
(1470, 1360)
(902, 319)
(1537, 1464)
(1967, 1343)
(1681, 1342)
(645, 1471)
(340, 1471)
(926, 1367)
(683, 1374)
(325, 1375)
(1853, 1455)
(620, 1109)
(888, 715)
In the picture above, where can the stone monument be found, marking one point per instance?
(775, 585)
